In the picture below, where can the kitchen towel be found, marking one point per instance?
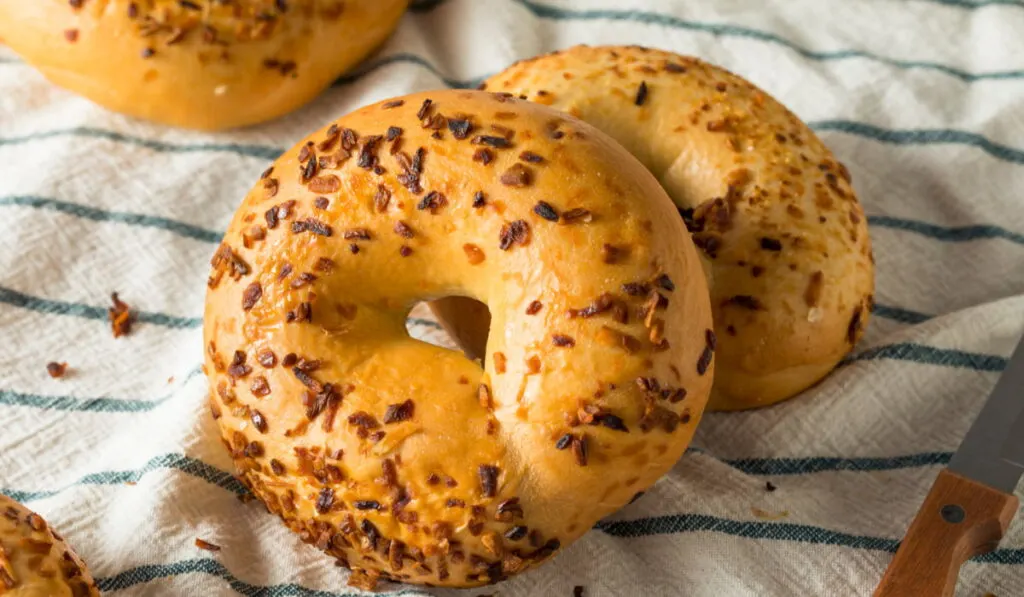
(923, 100)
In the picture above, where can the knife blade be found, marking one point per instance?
(1014, 450)
(993, 449)
(971, 503)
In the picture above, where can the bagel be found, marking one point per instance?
(199, 64)
(34, 560)
(409, 461)
(784, 240)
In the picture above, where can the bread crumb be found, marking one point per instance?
(765, 515)
(120, 317)
(202, 544)
(56, 370)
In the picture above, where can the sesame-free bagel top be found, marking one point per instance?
(785, 240)
(198, 64)
(34, 560)
(410, 461)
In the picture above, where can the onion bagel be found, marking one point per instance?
(783, 236)
(411, 462)
(34, 560)
(200, 64)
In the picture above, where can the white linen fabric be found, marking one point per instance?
(923, 100)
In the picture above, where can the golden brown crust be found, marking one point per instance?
(34, 560)
(415, 463)
(199, 64)
(786, 243)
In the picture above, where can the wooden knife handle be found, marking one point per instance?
(959, 520)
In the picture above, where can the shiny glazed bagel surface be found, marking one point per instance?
(34, 560)
(409, 461)
(201, 64)
(783, 236)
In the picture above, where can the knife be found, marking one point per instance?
(971, 503)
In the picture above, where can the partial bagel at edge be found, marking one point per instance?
(198, 65)
(34, 560)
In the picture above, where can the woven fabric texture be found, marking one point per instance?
(923, 100)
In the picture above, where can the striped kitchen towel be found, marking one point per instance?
(923, 100)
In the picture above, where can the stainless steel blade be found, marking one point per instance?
(982, 454)
(1014, 449)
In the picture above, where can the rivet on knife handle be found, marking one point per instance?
(959, 520)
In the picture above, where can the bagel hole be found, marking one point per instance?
(466, 322)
